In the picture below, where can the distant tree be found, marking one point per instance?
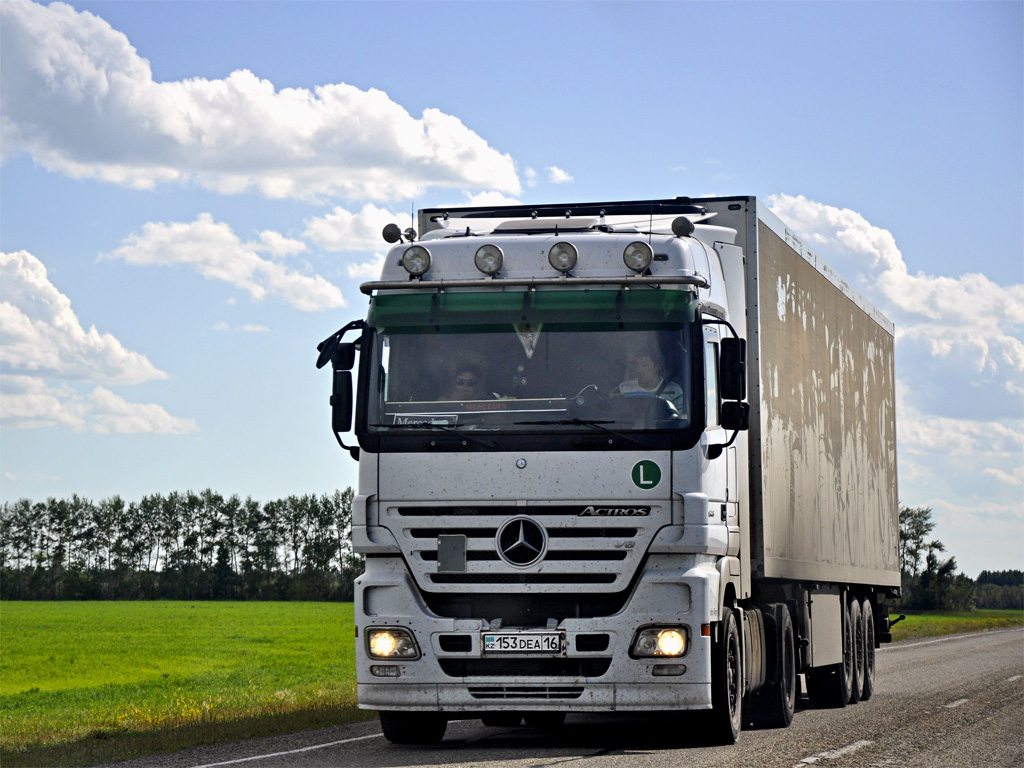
(915, 525)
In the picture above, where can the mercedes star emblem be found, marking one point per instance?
(521, 541)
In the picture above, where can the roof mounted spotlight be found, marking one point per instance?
(682, 226)
(488, 259)
(638, 256)
(391, 233)
(416, 260)
(410, 234)
(562, 256)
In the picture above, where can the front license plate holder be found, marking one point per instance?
(523, 643)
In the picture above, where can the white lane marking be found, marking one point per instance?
(1014, 679)
(836, 753)
(955, 704)
(290, 751)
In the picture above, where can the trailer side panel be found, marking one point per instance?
(827, 448)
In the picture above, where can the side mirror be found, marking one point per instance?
(733, 367)
(344, 356)
(735, 416)
(341, 402)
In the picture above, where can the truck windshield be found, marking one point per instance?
(576, 361)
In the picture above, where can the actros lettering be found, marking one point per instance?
(615, 512)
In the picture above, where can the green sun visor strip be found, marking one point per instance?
(576, 307)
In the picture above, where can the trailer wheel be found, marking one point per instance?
(832, 686)
(775, 702)
(413, 727)
(857, 625)
(868, 619)
(725, 718)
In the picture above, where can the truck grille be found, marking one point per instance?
(583, 553)
(525, 692)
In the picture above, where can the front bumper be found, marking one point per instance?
(671, 590)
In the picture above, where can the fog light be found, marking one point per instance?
(488, 259)
(391, 643)
(562, 256)
(659, 642)
(385, 670)
(416, 260)
(638, 256)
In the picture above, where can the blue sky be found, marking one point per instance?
(191, 194)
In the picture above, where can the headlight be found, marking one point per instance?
(416, 260)
(488, 259)
(562, 256)
(391, 643)
(660, 642)
(638, 256)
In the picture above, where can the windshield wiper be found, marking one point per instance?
(440, 427)
(598, 425)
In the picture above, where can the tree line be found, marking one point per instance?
(192, 546)
(930, 580)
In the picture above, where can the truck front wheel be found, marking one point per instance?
(413, 727)
(725, 718)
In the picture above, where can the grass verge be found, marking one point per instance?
(921, 624)
(88, 682)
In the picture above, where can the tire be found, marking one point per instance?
(868, 617)
(726, 716)
(831, 687)
(547, 721)
(413, 727)
(502, 719)
(775, 702)
(857, 625)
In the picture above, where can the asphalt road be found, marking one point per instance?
(955, 701)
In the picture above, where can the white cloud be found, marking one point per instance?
(343, 230)
(489, 197)
(531, 177)
(43, 336)
(557, 176)
(80, 100)
(371, 268)
(108, 413)
(44, 339)
(278, 245)
(969, 318)
(217, 253)
(247, 328)
(27, 402)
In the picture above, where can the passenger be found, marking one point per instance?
(646, 375)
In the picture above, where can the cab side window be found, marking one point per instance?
(713, 405)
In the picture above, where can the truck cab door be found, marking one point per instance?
(720, 477)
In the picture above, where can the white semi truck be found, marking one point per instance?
(624, 456)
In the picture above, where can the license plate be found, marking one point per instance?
(549, 643)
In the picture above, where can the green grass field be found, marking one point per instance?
(932, 624)
(89, 682)
(93, 678)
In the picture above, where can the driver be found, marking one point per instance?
(467, 381)
(646, 375)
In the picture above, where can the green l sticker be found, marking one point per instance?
(646, 474)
